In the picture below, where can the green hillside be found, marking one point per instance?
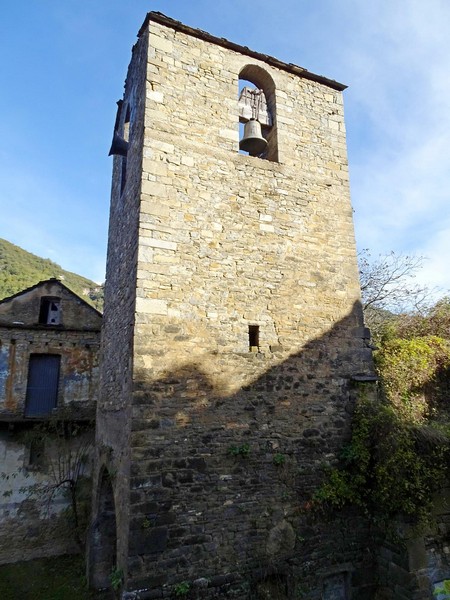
(20, 269)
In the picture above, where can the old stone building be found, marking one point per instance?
(233, 331)
(49, 343)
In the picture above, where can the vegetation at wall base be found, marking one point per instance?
(53, 578)
(390, 468)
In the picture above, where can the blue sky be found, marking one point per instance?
(62, 71)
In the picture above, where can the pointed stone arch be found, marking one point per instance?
(103, 537)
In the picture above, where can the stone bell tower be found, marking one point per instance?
(232, 325)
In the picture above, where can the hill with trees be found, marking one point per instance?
(20, 269)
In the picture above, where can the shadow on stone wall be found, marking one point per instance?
(220, 484)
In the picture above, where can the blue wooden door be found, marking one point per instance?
(42, 387)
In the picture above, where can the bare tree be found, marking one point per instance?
(388, 282)
(388, 288)
(66, 449)
(70, 447)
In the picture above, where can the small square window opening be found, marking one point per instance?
(253, 337)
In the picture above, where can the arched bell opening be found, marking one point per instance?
(257, 113)
(103, 538)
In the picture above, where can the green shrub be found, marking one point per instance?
(182, 589)
(242, 450)
(390, 466)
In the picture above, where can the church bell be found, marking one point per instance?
(253, 141)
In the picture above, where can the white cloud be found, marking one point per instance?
(437, 249)
(399, 63)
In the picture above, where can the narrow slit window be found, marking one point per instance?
(253, 337)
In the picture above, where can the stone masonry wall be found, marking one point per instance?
(79, 371)
(227, 441)
(113, 421)
(413, 566)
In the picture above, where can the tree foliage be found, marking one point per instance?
(20, 269)
(435, 321)
(388, 289)
(390, 468)
(399, 452)
(412, 372)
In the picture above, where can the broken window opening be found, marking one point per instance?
(50, 311)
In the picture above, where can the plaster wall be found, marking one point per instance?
(32, 523)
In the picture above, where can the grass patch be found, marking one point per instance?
(54, 578)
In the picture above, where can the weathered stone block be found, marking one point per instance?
(149, 541)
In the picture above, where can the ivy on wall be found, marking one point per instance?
(398, 454)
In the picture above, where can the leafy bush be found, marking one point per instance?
(409, 370)
(390, 467)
